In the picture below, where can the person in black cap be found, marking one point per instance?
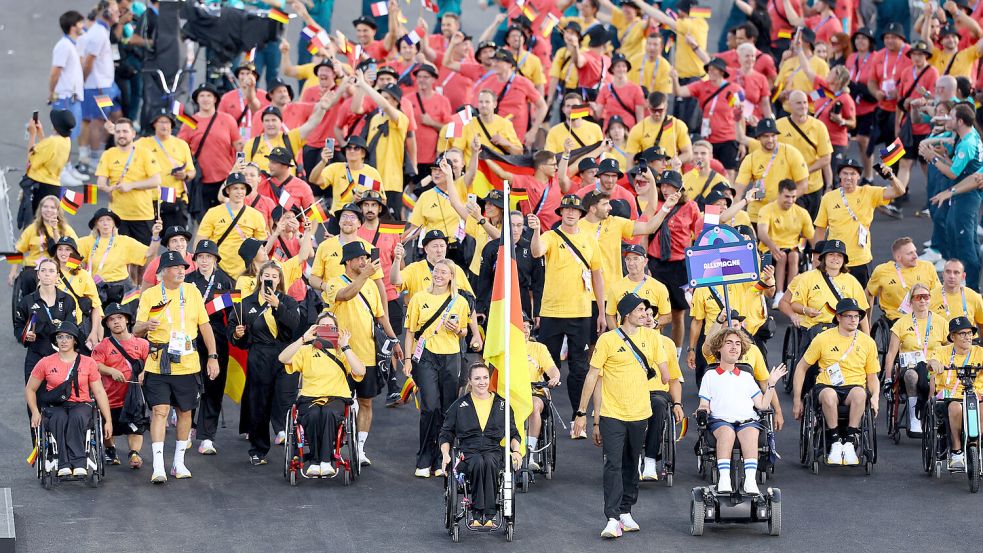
(637, 282)
(620, 97)
(212, 282)
(573, 281)
(68, 421)
(116, 260)
(245, 99)
(326, 266)
(275, 135)
(176, 238)
(848, 368)
(172, 316)
(217, 153)
(416, 276)
(173, 155)
(960, 352)
(718, 99)
(609, 173)
(374, 215)
(48, 157)
(624, 359)
(442, 207)
(39, 313)
(230, 224)
(366, 29)
(788, 164)
(809, 300)
(120, 357)
(386, 139)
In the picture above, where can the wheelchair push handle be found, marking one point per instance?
(702, 417)
(966, 372)
(540, 384)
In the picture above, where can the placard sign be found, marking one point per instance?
(721, 256)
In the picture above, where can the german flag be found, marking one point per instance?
(178, 110)
(235, 382)
(893, 153)
(132, 295)
(33, 456)
(579, 112)
(701, 12)
(683, 427)
(73, 262)
(519, 195)
(519, 164)
(409, 390)
(317, 213)
(784, 34)
(104, 102)
(278, 15)
(392, 228)
(91, 194)
(159, 308)
(70, 201)
(409, 202)
(236, 296)
(530, 12)
(14, 258)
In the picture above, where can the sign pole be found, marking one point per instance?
(727, 305)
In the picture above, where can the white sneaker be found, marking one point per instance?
(835, 456)
(613, 529)
(74, 172)
(931, 255)
(628, 524)
(51, 466)
(778, 298)
(79, 472)
(67, 179)
(64, 471)
(327, 470)
(533, 463)
(723, 484)
(957, 461)
(422, 473)
(180, 472)
(926, 243)
(914, 423)
(281, 437)
(850, 454)
(207, 448)
(314, 470)
(650, 471)
(363, 460)
(159, 476)
(750, 486)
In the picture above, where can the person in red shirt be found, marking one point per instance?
(917, 82)
(763, 63)
(609, 173)
(437, 44)
(826, 23)
(216, 152)
(889, 64)
(719, 101)
(408, 58)
(68, 422)
(785, 16)
(515, 94)
(590, 63)
(120, 358)
(757, 90)
(293, 115)
(365, 29)
(176, 238)
(860, 68)
(327, 79)
(619, 97)
(546, 187)
(433, 111)
(838, 113)
(281, 180)
(245, 99)
(457, 87)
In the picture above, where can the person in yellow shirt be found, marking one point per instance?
(651, 67)
(386, 138)
(436, 320)
(346, 179)
(131, 177)
(848, 367)
(416, 276)
(440, 208)
(325, 368)
(47, 156)
(492, 131)
(790, 75)
(623, 361)
(629, 26)
(954, 299)
(563, 72)
(811, 138)
(527, 64)
(258, 149)
(892, 282)
(254, 255)
(48, 226)
(171, 316)
(764, 168)
(107, 254)
(914, 339)
(781, 227)
(173, 156)
(961, 352)
(950, 59)
(541, 368)
(76, 281)
(582, 131)
(327, 264)
(848, 212)
(661, 395)
(661, 130)
(483, 224)
(811, 300)
(637, 282)
(230, 224)
(701, 179)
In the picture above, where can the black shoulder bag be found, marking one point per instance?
(60, 393)
(232, 225)
(431, 320)
(649, 371)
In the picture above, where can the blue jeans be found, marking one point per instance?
(74, 106)
(268, 62)
(960, 234)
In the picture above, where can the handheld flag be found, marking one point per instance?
(159, 308)
(392, 228)
(579, 112)
(701, 12)
(73, 262)
(549, 24)
(380, 9)
(733, 99)
(236, 296)
(278, 15)
(431, 5)
(369, 182)
(785, 34)
(409, 390)
(14, 258)
(249, 56)
(893, 153)
(317, 213)
(220, 303)
(530, 12)
(683, 427)
(453, 130)
(33, 456)
(519, 195)
(412, 38)
(70, 201)
(178, 110)
(465, 115)
(131, 296)
(168, 195)
(284, 199)
(409, 202)
(104, 102)
(711, 216)
(29, 327)
(91, 194)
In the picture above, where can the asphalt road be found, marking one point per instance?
(231, 506)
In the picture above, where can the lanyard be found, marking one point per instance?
(849, 210)
(169, 158)
(406, 72)
(853, 343)
(855, 72)
(770, 162)
(163, 295)
(208, 289)
(627, 31)
(928, 329)
(894, 69)
(542, 199)
(482, 79)
(945, 302)
(129, 160)
(95, 246)
(952, 358)
(713, 106)
(897, 269)
(447, 79)
(229, 209)
(640, 284)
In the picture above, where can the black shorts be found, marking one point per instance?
(865, 125)
(673, 275)
(810, 202)
(726, 154)
(120, 429)
(911, 150)
(181, 391)
(594, 313)
(883, 132)
(141, 231)
(861, 273)
(841, 391)
(370, 386)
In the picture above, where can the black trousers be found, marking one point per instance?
(622, 443)
(552, 330)
(396, 320)
(320, 424)
(482, 470)
(701, 361)
(268, 384)
(436, 377)
(861, 273)
(209, 197)
(67, 423)
(210, 407)
(688, 110)
(653, 436)
(810, 202)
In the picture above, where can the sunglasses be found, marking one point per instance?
(923, 297)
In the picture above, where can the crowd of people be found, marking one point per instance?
(353, 205)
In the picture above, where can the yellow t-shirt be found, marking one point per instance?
(786, 228)
(817, 132)
(963, 66)
(810, 289)
(947, 380)
(292, 268)
(674, 139)
(856, 356)
(170, 321)
(564, 70)
(305, 72)
(891, 290)
(784, 163)
(344, 181)
(950, 306)
(357, 315)
(433, 211)
(498, 125)
(672, 365)
(34, 245)
(83, 285)
(264, 146)
(175, 153)
(589, 133)
(912, 333)
(481, 239)
(327, 260)
(438, 338)
(531, 67)
(540, 361)
(322, 375)
(565, 292)
(110, 262)
(790, 68)
(624, 381)
(416, 277)
(706, 308)
(483, 407)
(135, 205)
(216, 221)
(609, 234)
(649, 289)
(697, 185)
(631, 35)
(834, 216)
(688, 64)
(47, 159)
(652, 75)
(390, 149)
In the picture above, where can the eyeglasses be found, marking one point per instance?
(921, 297)
(64, 337)
(850, 315)
(964, 333)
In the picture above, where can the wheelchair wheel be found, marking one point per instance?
(973, 467)
(697, 517)
(549, 452)
(523, 480)
(790, 352)
(775, 521)
(881, 333)
(455, 533)
(929, 438)
(509, 531)
(351, 434)
(450, 502)
(669, 448)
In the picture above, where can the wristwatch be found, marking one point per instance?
(482, 221)
(578, 414)
(213, 356)
(346, 348)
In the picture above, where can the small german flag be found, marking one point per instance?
(73, 262)
(184, 118)
(530, 12)
(392, 228)
(91, 194)
(408, 201)
(159, 308)
(829, 308)
(278, 15)
(701, 12)
(408, 391)
(579, 112)
(70, 201)
(104, 102)
(519, 195)
(893, 153)
(33, 457)
(236, 296)
(130, 296)
(785, 34)
(317, 213)
(15, 258)
(683, 427)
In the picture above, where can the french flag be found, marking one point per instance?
(168, 195)
(218, 304)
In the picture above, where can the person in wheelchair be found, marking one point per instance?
(730, 396)
(946, 386)
(476, 421)
(914, 338)
(661, 395)
(892, 282)
(541, 366)
(325, 366)
(848, 363)
(812, 291)
(71, 381)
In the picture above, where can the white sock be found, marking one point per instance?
(158, 449)
(679, 352)
(179, 448)
(912, 402)
(532, 442)
(362, 436)
(84, 154)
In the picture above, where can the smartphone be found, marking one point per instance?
(268, 286)
(374, 255)
(240, 157)
(881, 169)
(767, 259)
(328, 334)
(329, 144)
(35, 116)
(759, 192)
(472, 198)
(453, 317)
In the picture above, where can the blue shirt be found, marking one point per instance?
(968, 156)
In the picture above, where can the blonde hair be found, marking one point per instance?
(452, 283)
(918, 285)
(63, 226)
(471, 369)
(716, 342)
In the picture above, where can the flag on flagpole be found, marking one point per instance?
(159, 308)
(409, 202)
(29, 327)
(530, 12)
(519, 195)
(236, 296)
(711, 216)
(317, 213)
(73, 262)
(431, 5)
(412, 38)
(249, 56)
(132, 295)
(380, 9)
(235, 382)
(284, 199)
(104, 102)
(893, 153)
(579, 112)
(465, 115)
(168, 195)
(784, 34)
(220, 303)
(409, 390)
(701, 12)
(278, 15)
(91, 193)
(453, 130)
(549, 24)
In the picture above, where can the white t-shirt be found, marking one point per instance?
(95, 42)
(731, 396)
(66, 56)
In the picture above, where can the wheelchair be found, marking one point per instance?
(896, 402)
(706, 451)
(791, 352)
(880, 331)
(457, 502)
(47, 451)
(345, 457)
(813, 448)
(735, 507)
(546, 448)
(935, 438)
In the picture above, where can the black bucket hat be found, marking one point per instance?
(205, 87)
(282, 156)
(849, 163)
(671, 178)
(249, 248)
(608, 166)
(278, 82)
(618, 58)
(353, 250)
(846, 305)
(958, 324)
(67, 327)
(115, 309)
(893, 28)
(63, 241)
(834, 246)
(629, 302)
(350, 208)
(171, 259)
(103, 212)
(434, 235)
(209, 247)
(718, 63)
(236, 178)
(176, 230)
(571, 201)
(63, 121)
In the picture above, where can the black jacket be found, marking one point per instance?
(32, 304)
(249, 313)
(531, 277)
(222, 284)
(461, 422)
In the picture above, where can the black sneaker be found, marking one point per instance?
(111, 457)
(256, 460)
(392, 400)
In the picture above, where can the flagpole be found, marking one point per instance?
(506, 274)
